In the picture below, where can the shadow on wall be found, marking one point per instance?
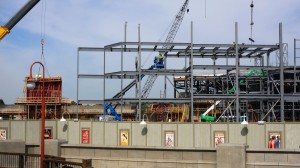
(65, 128)
(144, 131)
(244, 131)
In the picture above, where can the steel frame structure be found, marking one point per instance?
(268, 95)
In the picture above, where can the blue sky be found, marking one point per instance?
(94, 23)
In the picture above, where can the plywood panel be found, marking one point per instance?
(139, 134)
(216, 127)
(237, 133)
(154, 135)
(33, 132)
(292, 136)
(17, 130)
(111, 134)
(6, 125)
(124, 126)
(85, 125)
(62, 130)
(202, 135)
(275, 127)
(73, 132)
(256, 136)
(97, 133)
(186, 135)
(169, 127)
(52, 124)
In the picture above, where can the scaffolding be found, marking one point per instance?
(32, 99)
(272, 95)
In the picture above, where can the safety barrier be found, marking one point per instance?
(21, 160)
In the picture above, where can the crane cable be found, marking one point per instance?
(43, 30)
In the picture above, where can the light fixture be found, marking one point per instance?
(143, 122)
(62, 119)
(62, 116)
(244, 121)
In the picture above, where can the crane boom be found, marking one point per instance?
(169, 39)
(176, 24)
(151, 79)
(4, 30)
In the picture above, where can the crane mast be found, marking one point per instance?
(169, 39)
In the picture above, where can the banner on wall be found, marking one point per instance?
(124, 137)
(85, 136)
(3, 134)
(48, 133)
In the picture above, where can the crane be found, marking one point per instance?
(158, 64)
(169, 39)
(4, 30)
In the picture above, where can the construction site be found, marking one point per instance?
(216, 82)
(146, 103)
(258, 92)
(191, 82)
(201, 82)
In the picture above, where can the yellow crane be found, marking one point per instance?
(4, 30)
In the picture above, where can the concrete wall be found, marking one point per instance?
(224, 156)
(191, 135)
(141, 157)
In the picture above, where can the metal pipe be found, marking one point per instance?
(140, 75)
(77, 84)
(192, 75)
(237, 74)
(42, 146)
(281, 74)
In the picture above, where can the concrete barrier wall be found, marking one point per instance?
(224, 156)
(141, 157)
(197, 135)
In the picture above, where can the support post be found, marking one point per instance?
(192, 75)
(140, 75)
(77, 84)
(237, 61)
(281, 74)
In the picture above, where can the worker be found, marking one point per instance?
(160, 58)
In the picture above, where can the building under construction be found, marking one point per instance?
(31, 102)
(216, 91)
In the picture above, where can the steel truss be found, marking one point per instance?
(262, 96)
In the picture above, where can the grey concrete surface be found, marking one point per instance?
(52, 146)
(12, 146)
(231, 155)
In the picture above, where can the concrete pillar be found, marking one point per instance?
(52, 146)
(231, 155)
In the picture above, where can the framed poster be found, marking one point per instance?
(85, 135)
(169, 138)
(124, 137)
(3, 134)
(219, 137)
(274, 140)
(48, 133)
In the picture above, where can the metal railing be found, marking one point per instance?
(21, 160)
(26, 100)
